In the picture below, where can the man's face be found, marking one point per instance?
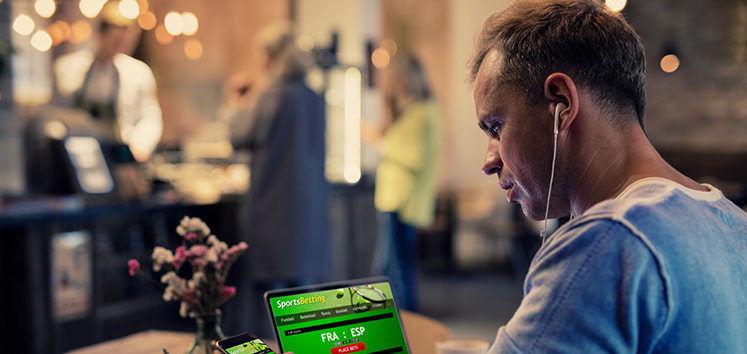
(519, 138)
(112, 41)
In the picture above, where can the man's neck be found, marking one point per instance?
(609, 163)
(104, 58)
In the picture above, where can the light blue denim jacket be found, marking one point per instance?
(660, 269)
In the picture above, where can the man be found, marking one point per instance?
(117, 90)
(651, 260)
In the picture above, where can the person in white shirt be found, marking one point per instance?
(118, 90)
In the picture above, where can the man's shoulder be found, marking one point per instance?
(128, 64)
(81, 58)
(651, 194)
(657, 211)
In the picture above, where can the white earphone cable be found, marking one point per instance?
(552, 169)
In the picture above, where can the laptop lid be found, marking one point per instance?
(352, 316)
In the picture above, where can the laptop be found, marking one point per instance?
(353, 316)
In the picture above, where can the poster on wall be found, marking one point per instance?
(71, 275)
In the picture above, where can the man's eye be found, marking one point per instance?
(495, 130)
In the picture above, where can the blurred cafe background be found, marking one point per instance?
(72, 214)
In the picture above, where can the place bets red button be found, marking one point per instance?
(350, 348)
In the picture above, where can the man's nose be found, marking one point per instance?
(492, 163)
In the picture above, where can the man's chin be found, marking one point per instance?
(539, 214)
(533, 214)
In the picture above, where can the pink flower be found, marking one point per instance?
(198, 250)
(227, 292)
(134, 266)
(180, 256)
(209, 260)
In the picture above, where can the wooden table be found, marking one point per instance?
(422, 334)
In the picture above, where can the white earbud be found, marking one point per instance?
(558, 107)
(556, 126)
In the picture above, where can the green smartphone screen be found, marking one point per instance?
(358, 319)
(255, 346)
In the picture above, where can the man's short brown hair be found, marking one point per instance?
(584, 39)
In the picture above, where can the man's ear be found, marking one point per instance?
(560, 88)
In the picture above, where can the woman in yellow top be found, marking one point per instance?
(406, 178)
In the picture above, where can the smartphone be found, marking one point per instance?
(245, 343)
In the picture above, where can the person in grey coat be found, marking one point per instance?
(282, 124)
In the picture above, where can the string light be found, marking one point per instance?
(129, 9)
(174, 23)
(616, 5)
(147, 21)
(45, 8)
(91, 8)
(193, 49)
(23, 25)
(669, 63)
(80, 31)
(41, 41)
(190, 23)
(163, 36)
(380, 58)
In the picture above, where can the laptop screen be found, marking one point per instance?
(358, 316)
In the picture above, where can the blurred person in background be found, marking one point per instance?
(651, 260)
(281, 122)
(406, 177)
(117, 90)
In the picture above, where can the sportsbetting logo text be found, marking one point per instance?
(302, 301)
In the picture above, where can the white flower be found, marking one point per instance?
(176, 287)
(184, 310)
(182, 228)
(195, 225)
(197, 294)
(211, 256)
(197, 277)
(217, 245)
(160, 257)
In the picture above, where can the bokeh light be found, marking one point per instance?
(380, 58)
(306, 43)
(41, 41)
(80, 32)
(670, 63)
(193, 49)
(390, 46)
(616, 5)
(91, 8)
(147, 21)
(129, 9)
(190, 23)
(60, 32)
(143, 5)
(23, 25)
(45, 8)
(163, 36)
(174, 23)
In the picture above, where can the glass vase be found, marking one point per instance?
(208, 333)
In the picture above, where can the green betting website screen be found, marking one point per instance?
(361, 319)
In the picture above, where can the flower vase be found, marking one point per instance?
(208, 333)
